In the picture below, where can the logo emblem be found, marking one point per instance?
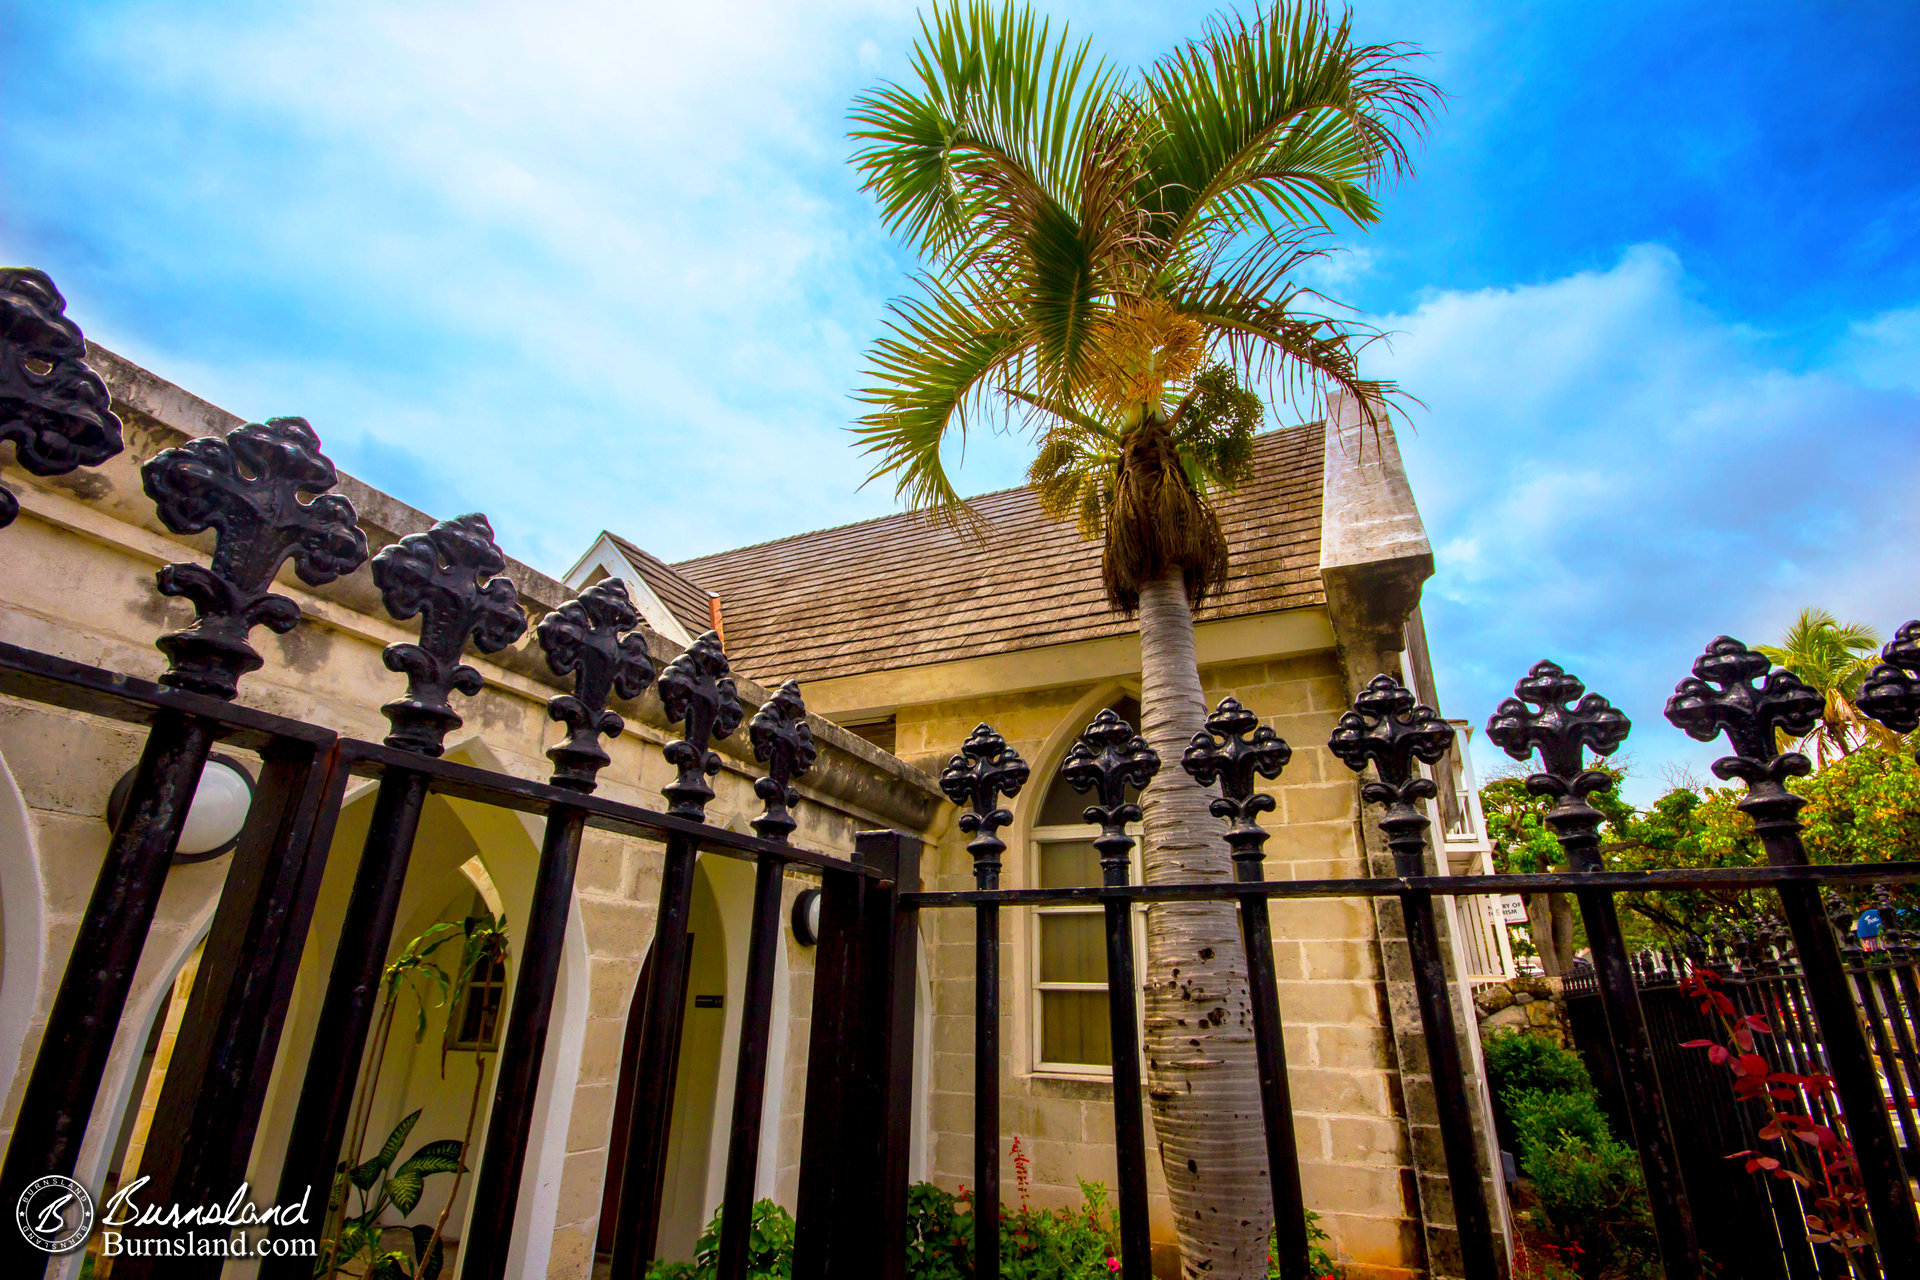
(55, 1214)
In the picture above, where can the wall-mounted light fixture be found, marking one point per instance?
(806, 918)
(219, 809)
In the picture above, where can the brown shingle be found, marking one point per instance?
(685, 600)
(902, 590)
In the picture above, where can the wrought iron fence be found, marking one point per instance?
(263, 490)
(1751, 1222)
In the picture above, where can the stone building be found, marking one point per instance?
(904, 638)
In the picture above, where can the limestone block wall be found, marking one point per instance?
(76, 579)
(1349, 1121)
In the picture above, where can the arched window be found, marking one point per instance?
(1070, 1028)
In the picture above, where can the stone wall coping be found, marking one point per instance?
(886, 785)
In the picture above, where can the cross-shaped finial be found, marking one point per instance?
(1891, 693)
(52, 406)
(782, 739)
(1389, 729)
(445, 576)
(697, 689)
(1748, 716)
(248, 488)
(1233, 748)
(976, 777)
(592, 638)
(1109, 758)
(1569, 723)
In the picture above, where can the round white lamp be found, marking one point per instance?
(214, 818)
(806, 918)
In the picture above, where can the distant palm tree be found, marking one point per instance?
(1112, 258)
(1833, 657)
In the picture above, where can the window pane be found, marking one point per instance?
(1067, 864)
(1073, 1028)
(1073, 947)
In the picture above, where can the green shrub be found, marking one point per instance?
(1035, 1244)
(939, 1235)
(1516, 1060)
(1545, 1120)
(1589, 1198)
(769, 1249)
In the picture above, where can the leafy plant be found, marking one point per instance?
(769, 1249)
(1589, 1205)
(1320, 1261)
(379, 1186)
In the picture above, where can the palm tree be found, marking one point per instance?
(1833, 657)
(1112, 260)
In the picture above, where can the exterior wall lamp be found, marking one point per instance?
(806, 918)
(214, 819)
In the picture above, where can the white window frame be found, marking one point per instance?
(1080, 832)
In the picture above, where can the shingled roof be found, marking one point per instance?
(686, 601)
(903, 591)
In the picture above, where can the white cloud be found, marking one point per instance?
(1613, 475)
(1885, 350)
(621, 238)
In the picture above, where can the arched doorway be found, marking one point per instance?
(691, 1190)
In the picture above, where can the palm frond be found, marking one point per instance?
(931, 372)
(1281, 118)
(1000, 101)
(1297, 351)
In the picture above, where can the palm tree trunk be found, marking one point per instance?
(1201, 1072)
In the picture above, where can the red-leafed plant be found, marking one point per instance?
(1812, 1156)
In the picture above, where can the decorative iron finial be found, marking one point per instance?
(444, 575)
(1109, 758)
(1569, 723)
(1748, 716)
(592, 638)
(52, 406)
(1233, 748)
(247, 488)
(984, 770)
(1388, 728)
(1891, 693)
(783, 741)
(697, 689)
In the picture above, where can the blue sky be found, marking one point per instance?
(583, 264)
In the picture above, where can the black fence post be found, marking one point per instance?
(1386, 728)
(248, 488)
(782, 739)
(443, 576)
(984, 770)
(216, 1082)
(854, 1073)
(896, 1135)
(697, 688)
(1563, 732)
(1108, 759)
(1234, 748)
(1749, 716)
(591, 638)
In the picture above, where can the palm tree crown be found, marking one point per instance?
(1833, 657)
(1111, 256)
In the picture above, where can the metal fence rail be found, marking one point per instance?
(264, 491)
